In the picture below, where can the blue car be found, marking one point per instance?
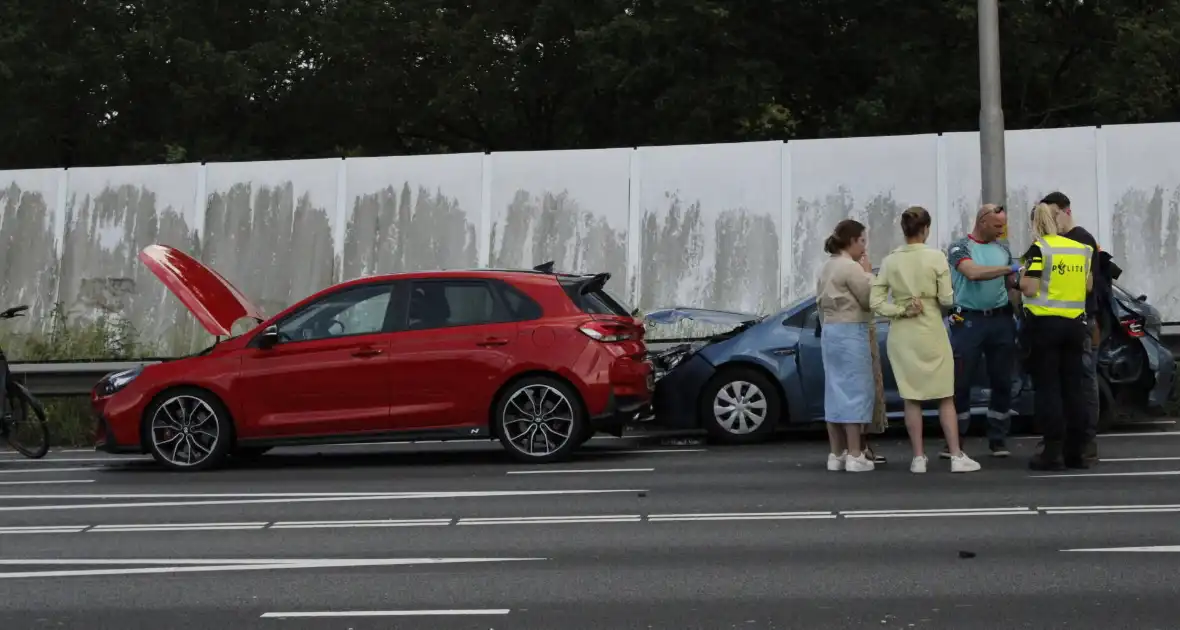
(765, 373)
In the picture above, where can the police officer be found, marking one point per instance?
(1067, 227)
(1055, 281)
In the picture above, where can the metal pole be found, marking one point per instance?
(991, 112)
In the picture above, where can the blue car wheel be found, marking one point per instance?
(740, 405)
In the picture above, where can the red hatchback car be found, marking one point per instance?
(539, 360)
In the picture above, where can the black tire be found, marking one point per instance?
(587, 433)
(732, 380)
(161, 424)
(28, 432)
(515, 427)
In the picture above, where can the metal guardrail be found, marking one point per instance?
(64, 378)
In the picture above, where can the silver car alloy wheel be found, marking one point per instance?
(537, 420)
(185, 430)
(739, 407)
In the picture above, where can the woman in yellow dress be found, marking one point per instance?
(919, 347)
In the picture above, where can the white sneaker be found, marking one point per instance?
(858, 464)
(961, 463)
(919, 464)
(836, 462)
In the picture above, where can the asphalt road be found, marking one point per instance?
(633, 534)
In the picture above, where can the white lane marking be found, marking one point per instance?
(315, 499)
(49, 529)
(387, 613)
(646, 451)
(1149, 422)
(939, 511)
(581, 470)
(1156, 549)
(54, 460)
(1117, 435)
(1141, 459)
(297, 495)
(44, 482)
(932, 514)
(413, 522)
(551, 520)
(410, 443)
(1076, 507)
(1134, 511)
(35, 471)
(236, 565)
(591, 518)
(107, 562)
(740, 516)
(1114, 435)
(169, 527)
(1148, 473)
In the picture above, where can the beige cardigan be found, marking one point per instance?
(843, 291)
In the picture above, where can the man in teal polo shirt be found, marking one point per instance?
(983, 324)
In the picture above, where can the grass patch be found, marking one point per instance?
(104, 338)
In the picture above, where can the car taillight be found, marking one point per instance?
(1132, 325)
(606, 331)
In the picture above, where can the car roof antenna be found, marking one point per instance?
(545, 267)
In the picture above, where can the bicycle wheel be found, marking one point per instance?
(28, 432)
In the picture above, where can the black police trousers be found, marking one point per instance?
(1056, 348)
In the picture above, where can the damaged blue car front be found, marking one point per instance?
(763, 373)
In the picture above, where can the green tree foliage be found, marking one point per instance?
(132, 81)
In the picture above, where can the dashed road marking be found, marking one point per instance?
(592, 519)
(387, 613)
(1141, 459)
(183, 527)
(37, 471)
(153, 566)
(551, 520)
(276, 498)
(1143, 473)
(409, 522)
(751, 516)
(54, 460)
(44, 482)
(562, 471)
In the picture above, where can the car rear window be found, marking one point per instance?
(600, 302)
(522, 307)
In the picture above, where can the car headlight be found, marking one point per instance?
(112, 383)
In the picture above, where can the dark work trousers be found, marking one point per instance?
(1057, 346)
(1090, 384)
(990, 336)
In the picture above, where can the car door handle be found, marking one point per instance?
(493, 341)
(367, 352)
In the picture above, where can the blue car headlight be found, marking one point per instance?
(116, 381)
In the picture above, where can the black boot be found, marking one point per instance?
(1049, 459)
(1090, 453)
(1075, 456)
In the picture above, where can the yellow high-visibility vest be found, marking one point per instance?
(1064, 265)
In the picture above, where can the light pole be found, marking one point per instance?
(991, 111)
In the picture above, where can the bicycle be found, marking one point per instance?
(18, 402)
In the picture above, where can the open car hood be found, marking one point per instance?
(702, 315)
(215, 302)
